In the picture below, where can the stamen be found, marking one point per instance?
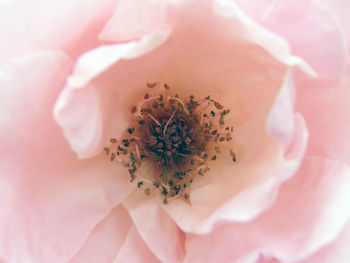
(145, 101)
(154, 119)
(182, 104)
(138, 152)
(167, 124)
(175, 140)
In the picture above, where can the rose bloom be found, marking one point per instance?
(82, 85)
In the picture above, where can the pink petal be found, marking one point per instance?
(70, 25)
(304, 24)
(53, 200)
(156, 228)
(135, 250)
(326, 111)
(240, 192)
(106, 239)
(132, 21)
(337, 251)
(341, 9)
(293, 228)
(79, 109)
(280, 123)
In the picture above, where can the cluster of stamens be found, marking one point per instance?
(178, 137)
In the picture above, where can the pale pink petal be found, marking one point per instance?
(336, 252)
(233, 16)
(267, 259)
(280, 123)
(326, 111)
(311, 30)
(28, 26)
(295, 226)
(305, 25)
(341, 9)
(132, 20)
(157, 229)
(53, 200)
(135, 250)
(81, 110)
(315, 215)
(226, 243)
(240, 192)
(106, 239)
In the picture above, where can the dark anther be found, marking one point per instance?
(151, 85)
(133, 109)
(106, 150)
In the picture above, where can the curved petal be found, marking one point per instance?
(106, 239)
(341, 9)
(53, 200)
(135, 250)
(79, 111)
(326, 112)
(305, 24)
(132, 21)
(157, 229)
(30, 26)
(280, 123)
(315, 216)
(271, 42)
(293, 228)
(337, 251)
(242, 191)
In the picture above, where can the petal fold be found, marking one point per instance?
(159, 231)
(53, 199)
(295, 227)
(132, 21)
(135, 250)
(305, 24)
(80, 109)
(106, 239)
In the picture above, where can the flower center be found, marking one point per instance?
(179, 138)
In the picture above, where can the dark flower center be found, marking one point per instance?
(178, 137)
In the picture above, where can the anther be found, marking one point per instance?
(151, 85)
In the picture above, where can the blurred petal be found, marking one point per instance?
(106, 239)
(316, 215)
(52, 201)
(157, 229)
(304, 24)
(338, 251)
(326, 111)
(132, 21)
(28, 26)
(135, 250)
(293, 228)
(341, 9)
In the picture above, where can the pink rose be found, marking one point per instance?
(279, 180)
